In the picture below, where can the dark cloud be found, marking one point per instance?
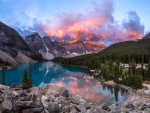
(133, 25)
(133, 22)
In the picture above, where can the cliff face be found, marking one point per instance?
(50, 49)
(55, 47)
(35, 43)
(12, 43)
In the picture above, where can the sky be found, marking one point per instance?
(102, 21)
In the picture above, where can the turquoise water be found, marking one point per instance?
(76, 80)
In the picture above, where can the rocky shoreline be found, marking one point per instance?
(56, 99)
(137, 100)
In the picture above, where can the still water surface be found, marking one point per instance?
(76, 80)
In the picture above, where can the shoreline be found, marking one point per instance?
(75, 66)
(135, 98)
(52, 95)
(9, 67)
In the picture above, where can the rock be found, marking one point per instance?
(57, 90)
(66, 108)
(8, 95)
(113, 108)
(33, 97)
(87, 105)
(27, 104)
(14, 94)
(45, 104)
(23, 97)
(2, 96)
(62, 99)
(22, 93)
(33, 110)
(123, 110)
(53, 93)
(81, 107)
(96, 109)
(45, 111)
(73, 109)
(53, 107)
(6, 106)
(3, 87)
(45, 98)
(49, 100)
(76, 99)
(65, 103)
(24, 86)
(105, 107)
(70, 108)
(15, 86)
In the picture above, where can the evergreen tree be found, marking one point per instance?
(148, 73)
(116, 73)
(25, 78)
(3, 75)
(30, 75)
(140, 82)
(133, 67)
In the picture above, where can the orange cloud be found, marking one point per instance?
(134, 35)
(97, 25)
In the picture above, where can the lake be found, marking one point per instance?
(77, 81)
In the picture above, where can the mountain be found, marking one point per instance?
(139, 51)
(35, 42)
(78, 47)
(147, 36)
(91, 46)
(75, 47)
(49, 49)
(12, 46)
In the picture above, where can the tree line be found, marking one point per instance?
(108, 60)
(131, 77)
(114, 70)
(4, 63)
(27, 76)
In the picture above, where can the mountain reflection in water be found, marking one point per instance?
(76, 80)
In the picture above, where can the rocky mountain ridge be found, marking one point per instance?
(12, 46)
(50, 49)
(17, 49)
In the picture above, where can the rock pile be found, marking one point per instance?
(55, 99)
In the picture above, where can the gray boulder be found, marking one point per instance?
(33, 110)
(57, 90)
(105, 107)
(15, 86)
(76, 99)
(27, 104)
(53, 107)
(96, 109)
(6, 106)
(1, 96)
(81, 107)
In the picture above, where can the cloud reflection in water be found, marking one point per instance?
(78, 82)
